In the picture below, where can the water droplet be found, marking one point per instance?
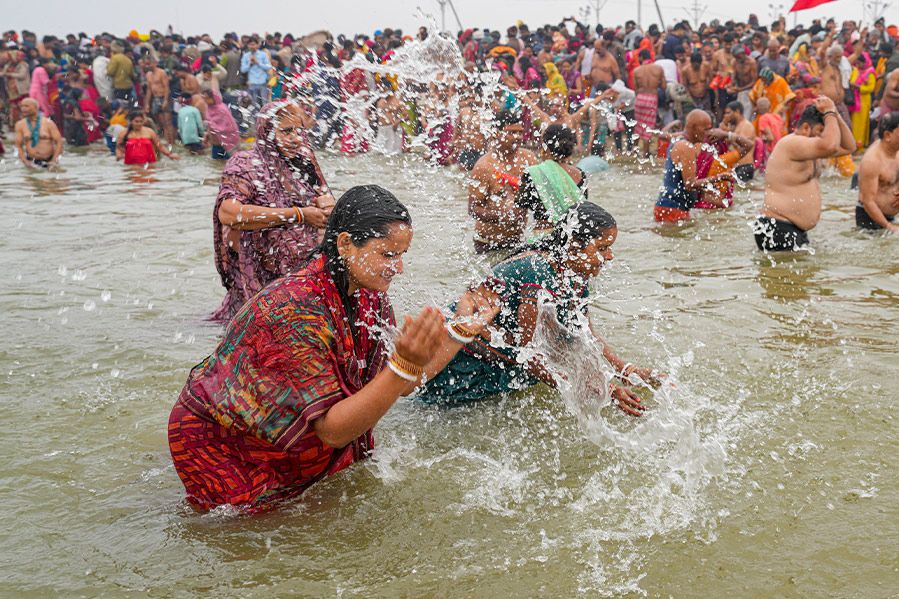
(90, 306)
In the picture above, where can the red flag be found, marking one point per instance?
(806, 4)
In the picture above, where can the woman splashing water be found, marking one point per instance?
(559, 267)
(302, 374)
(270, 207)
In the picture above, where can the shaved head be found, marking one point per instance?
(697, 125)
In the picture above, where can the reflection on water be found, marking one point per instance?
(773, 455)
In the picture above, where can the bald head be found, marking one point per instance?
(773, 48)
(29, 107)
(763, 105)
(697, 125)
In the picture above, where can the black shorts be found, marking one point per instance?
(744, 172)
(195, 148)
(863, 219)
(772, 235)
(39, 162)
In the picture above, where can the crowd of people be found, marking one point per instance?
(303, 371)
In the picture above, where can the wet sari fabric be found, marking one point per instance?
(241, 432)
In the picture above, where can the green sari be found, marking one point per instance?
(482, 369)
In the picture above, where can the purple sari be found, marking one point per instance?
(262, 177)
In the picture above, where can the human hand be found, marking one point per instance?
(716, 134)
(651, 377)
(824, 104)
(626, 400)
(421, 336)
(478, 307)
(326, 202)
(315, 216)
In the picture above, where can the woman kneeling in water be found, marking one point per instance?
(560, 265)
(302, 374)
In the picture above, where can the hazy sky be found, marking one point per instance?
(352, 16)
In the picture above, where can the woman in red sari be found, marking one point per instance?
(303, 372)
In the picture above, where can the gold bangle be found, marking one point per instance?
(300, 218)
(463, 331)
(406, 366)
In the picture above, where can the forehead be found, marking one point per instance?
(398, 239)
(288, 118)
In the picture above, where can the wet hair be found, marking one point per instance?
(735, 106)
(810, 115)
(581, 224)
(131, 116)
(364, 212)
(559, 141)
(644, 54)
(696, 58)
(506, 117)
(888, 123)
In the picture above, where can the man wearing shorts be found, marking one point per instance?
(792, 194)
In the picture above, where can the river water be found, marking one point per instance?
(770, 470)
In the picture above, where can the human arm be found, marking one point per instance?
(478, 199)
(847, 139)
(120, 146)
(743, 144)
(248, 217)
(828, 143)
(20, 146)
(56, 140)
(685, 160)
(867, 194)
(264, 61)
(161, 148)
(351, 417)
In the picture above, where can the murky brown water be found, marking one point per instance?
(771, 471)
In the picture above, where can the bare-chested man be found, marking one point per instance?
(157, 99)
(722, 69)
(878, 179)
(188, 82)
(681, 186)
(37, 137)
(649, 78)
(603, 67)
(890, 100)
(695, 76)
(792, 194)
(832, 80)
(494, 183)
(469, 139)
(746, 72)
(740, 125)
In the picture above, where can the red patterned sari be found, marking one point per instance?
(241, 432)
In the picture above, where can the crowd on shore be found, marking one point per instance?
(304, 372)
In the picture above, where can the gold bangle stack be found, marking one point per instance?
(406, 367)
(463, 330)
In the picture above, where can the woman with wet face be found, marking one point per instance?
(558, 269)
(305, 371)
(271, 208)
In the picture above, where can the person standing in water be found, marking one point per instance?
(878, 179)
(270, 209)
(139, 144)
(38, 140)
(742, 127)
(681, 187)
(558, 267)
(792, 195)
(303, 372)
(494, 182)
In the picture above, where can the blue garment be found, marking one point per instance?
(673, 193)
(190, 125)
(481, 370)
(257, 74)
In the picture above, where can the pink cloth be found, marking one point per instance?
(222, 124)
(262, 177)
(39, 84)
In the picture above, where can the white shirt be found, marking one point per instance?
(670, 68)
(101, 79)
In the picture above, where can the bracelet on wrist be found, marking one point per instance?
(407, 376)
(833, 112)
(300, 218)
(406, 366)
(456, 336)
